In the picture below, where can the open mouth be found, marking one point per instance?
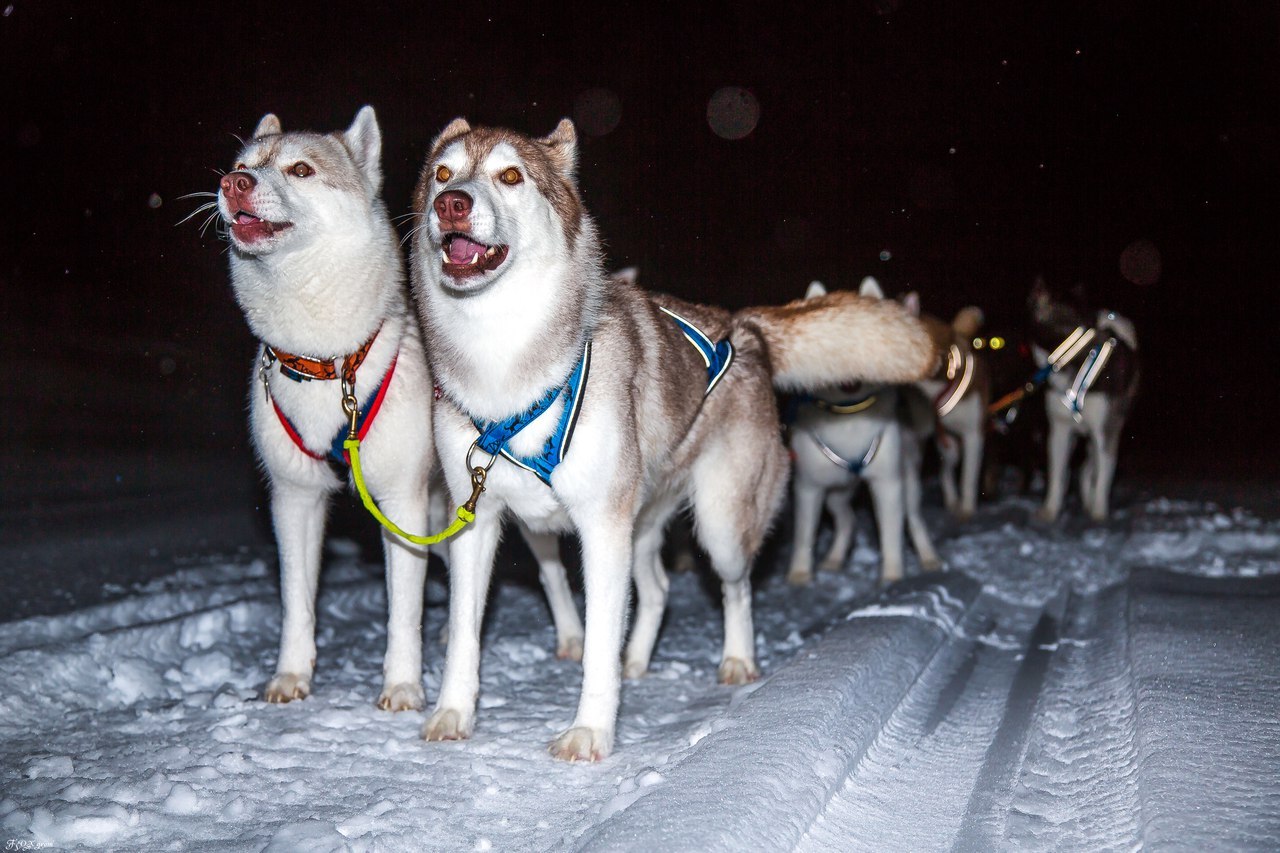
(464, 257)
(248, 228)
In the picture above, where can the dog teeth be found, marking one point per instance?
(444, 253)
(475, 258)
(492, 250)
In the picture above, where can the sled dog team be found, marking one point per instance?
(514, 379)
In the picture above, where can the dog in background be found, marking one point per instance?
(841, 436)
(951, 405)
(1090, 365)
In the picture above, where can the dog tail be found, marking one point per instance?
(841, 337)
(968, 321)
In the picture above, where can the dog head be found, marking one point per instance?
(1052, 319)
(289, 189)
(492, 201)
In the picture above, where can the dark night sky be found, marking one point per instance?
(974, 143)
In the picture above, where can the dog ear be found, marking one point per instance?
(626, 275)
(563, 145)
(268, 125)
(454, 129)
(1039, 297)
(911, 301)
(364, 140)
(870, 287)
(816, 288)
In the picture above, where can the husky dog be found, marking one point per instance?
(841, 436)
(316, 266)
(951, 405)
(1091, 366)
(602, 409)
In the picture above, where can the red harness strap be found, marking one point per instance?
(365, 421)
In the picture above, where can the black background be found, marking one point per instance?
(977, 144)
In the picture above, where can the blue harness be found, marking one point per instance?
(494, 436)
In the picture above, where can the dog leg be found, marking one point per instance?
(607, 568)
(470, 566)
(886, 496)
(949, 457)
(912, 497)
(297, 515)
(1107, 442)
(555, 583)
(651, 600)
(1061, 438)
(970, 471)
(840, 504)
(406, 576)
(808, 512)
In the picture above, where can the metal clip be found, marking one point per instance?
(351, 406)
(264, 367)
(477, 486)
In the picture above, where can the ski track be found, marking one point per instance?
(136, 724)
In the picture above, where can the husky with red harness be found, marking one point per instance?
(316, 266)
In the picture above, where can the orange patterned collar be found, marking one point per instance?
(303, 368)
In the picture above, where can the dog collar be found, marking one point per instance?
(495, 435)
(304, 368)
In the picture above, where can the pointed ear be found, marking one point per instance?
(454, 129)
(626, 275)
(911, 301)
(1039, 297)
(563, 145)
(364, 140)
(816, 288)
(268, 125)
(870, 287)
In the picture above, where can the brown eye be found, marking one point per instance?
(301, 170)
(443, 173)
(240, 167)
(511, 176)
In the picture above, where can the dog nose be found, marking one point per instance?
(452, 206)
(237, 183)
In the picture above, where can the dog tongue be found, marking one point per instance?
(462, 250)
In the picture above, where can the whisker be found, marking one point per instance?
(197, 195)
(208, 205)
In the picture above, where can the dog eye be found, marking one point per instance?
(511, 176)
(301, 170)
(240, 167)
(443, 173)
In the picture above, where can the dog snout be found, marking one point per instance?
(237, 184)
(454, 209)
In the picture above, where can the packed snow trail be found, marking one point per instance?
(1051, 691)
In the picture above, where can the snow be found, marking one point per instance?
(1072, 686)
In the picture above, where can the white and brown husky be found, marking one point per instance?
(840, 437)
(602, 409)
(316, 266)
(951, 405)
(1090, 364)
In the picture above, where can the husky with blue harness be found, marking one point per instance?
(840, 437)
(579, 403)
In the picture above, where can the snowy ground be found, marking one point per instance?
(1067, 687)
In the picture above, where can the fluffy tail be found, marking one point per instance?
(841, 337)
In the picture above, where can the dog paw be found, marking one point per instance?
(1046, 515)
(831, 565)
(799, 578)
(736, 671)
(402, 697)
(634, 669)
(581, 744)
(446, 724)
(569, 648)
(286, 687)
(930, 564)
(962, 515)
